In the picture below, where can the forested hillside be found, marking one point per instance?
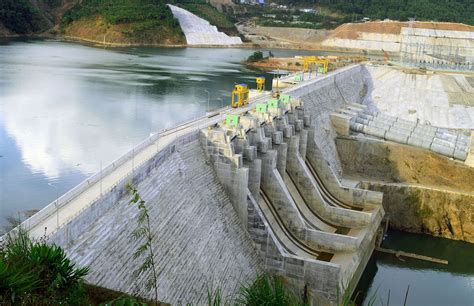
(123, 20)
(437, 10)
(21, 17)
(113, 21)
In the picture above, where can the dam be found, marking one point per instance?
(232, 194)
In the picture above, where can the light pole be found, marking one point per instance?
(222, 102)
(56, 203)
(101, 177)
(208, 98)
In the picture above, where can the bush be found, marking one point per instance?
(256, 56)
(20, 16)
(267, 290)
(34, 272)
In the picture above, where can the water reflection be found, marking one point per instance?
(65, 108)
(430, 284)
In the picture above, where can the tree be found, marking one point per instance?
(143, 232)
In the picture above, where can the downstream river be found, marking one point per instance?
(66, 110)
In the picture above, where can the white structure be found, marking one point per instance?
(199, 31)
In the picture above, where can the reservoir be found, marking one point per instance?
(68, 110)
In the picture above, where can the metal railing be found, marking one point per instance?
(32, 224)
(61, 202)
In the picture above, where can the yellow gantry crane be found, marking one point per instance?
(240, 95)
(314, 60)
(260, 83)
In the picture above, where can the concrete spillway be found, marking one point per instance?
(304, 222)
(199, 31)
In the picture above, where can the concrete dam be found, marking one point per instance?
(233, 194)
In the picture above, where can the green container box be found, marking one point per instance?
(261, 107)
(321, 69)
(232, 120)
(273, 103)
(298, 78)
(285, 98)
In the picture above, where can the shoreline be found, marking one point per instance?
(245, 45)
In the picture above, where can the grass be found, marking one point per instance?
(268, 290)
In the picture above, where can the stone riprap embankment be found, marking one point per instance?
(199, 240)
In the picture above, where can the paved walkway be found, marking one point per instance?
(60, 214)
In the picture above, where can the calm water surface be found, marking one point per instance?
(66, 110)
(430, 284)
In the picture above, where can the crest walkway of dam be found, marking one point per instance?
(228, 202)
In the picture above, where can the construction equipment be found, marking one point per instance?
(308, 61)
(232, 120)
(240, 95)
(260, 83)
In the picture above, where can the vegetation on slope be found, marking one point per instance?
(21, 17)
(35, 273)
(127, 21)
(437, 10)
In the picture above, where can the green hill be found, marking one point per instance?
(437, 10)
(21, 17)
(110, 21)
(123, 22)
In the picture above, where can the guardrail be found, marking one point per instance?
(64, 200)
(32, 223)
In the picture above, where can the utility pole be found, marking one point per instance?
(56, 203)
(208, 98)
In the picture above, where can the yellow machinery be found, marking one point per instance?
(314, 60)
(260, 83)
(240, 95)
